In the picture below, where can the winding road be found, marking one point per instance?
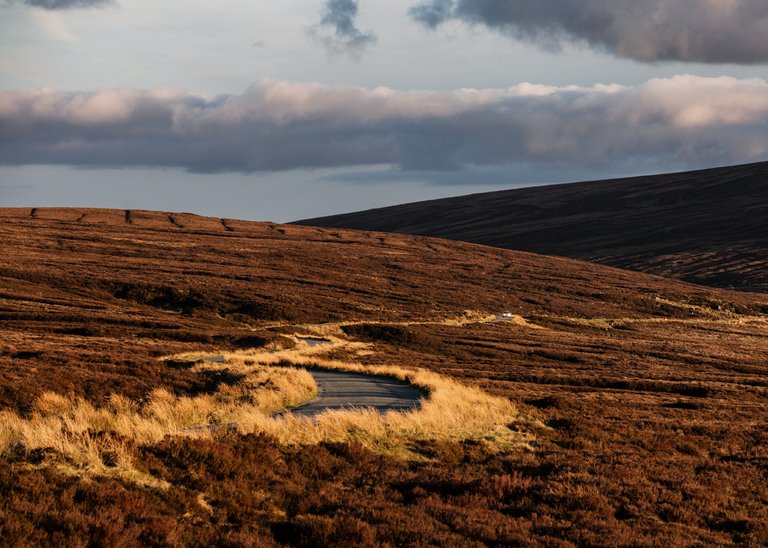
(343, 390)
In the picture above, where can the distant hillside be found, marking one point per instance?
(708, 227)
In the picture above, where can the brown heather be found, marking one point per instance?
(643, 399)
(706, 226)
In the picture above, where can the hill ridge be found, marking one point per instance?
(707, 226)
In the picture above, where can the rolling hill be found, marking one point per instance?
(644, 398)
(709, 227)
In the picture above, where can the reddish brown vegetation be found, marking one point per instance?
(708, 226)
(653, 392)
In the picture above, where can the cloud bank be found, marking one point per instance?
(706, 31)
(684, 121)
(337, 30)
(66, 4)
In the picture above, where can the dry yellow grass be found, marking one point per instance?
(520, 321)
(697, 309)
(468, 317)
(97, 440)
(452, 411)
(620, 323)
(100, 440)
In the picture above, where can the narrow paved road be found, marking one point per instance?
(343, 390)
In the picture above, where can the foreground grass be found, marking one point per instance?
(102, 440)
(450, 411)
(82, 438)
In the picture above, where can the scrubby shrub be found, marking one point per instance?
(395, 335)
(187, 301)
(260, 310)
(89, 330)
(250, 341)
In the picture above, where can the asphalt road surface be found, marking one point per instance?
(343, 390)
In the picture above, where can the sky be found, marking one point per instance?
(286, 109)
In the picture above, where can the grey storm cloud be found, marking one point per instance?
(706, 31)
(681, 121)
(337, 29)
(66, 4)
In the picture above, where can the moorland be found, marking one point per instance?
(706, 226)
(634, 405)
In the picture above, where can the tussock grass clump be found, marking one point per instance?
(450, 412)
(396, 335)
(102, 440)
(92, 439)
(626, 323)
(340, 329)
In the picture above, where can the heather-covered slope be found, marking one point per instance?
(153, 281)
(708, 227)
(645, 398)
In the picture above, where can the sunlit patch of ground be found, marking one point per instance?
(78, 436)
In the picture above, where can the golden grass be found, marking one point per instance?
(451, 410)
(97, 440)
(697, 309)
(468, 317)
(519, 321)
(92, 440)
(620, 323)
(301, 354)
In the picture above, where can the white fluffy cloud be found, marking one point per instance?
(275, 125)
(708, 31)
